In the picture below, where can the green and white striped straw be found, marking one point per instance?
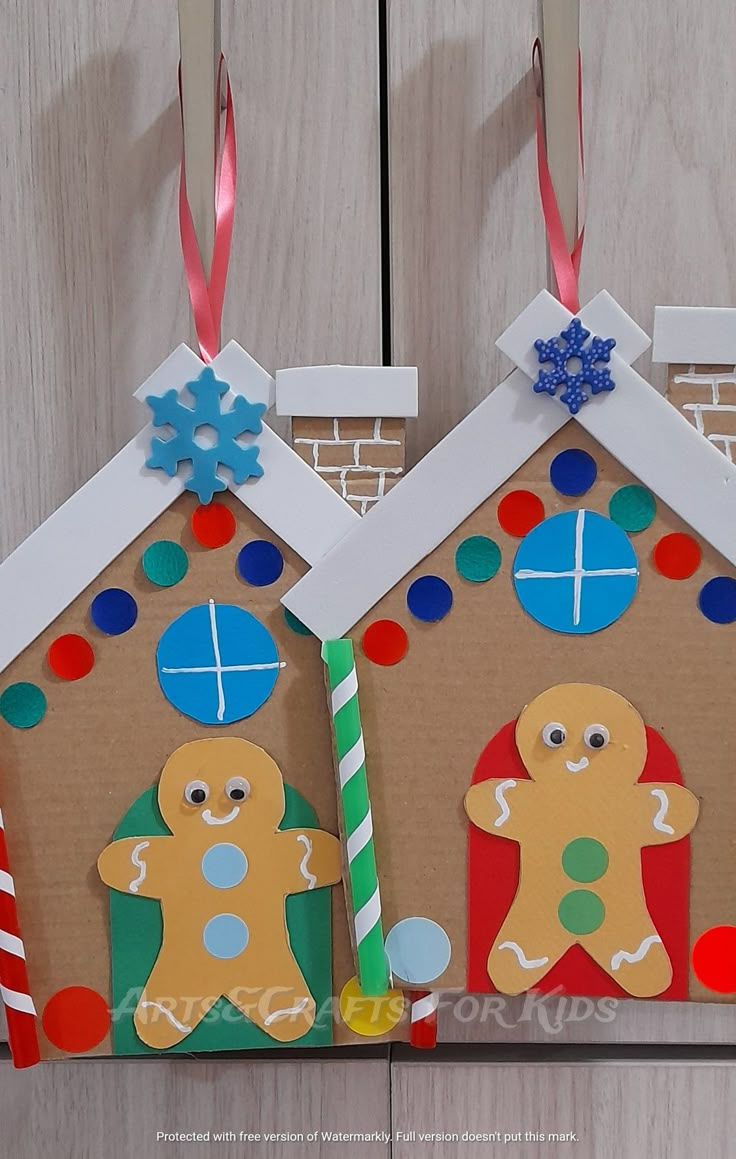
(355, 804)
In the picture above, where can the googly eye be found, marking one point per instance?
(554, 734)
(596, 736)
(237, 789)
(196, 792)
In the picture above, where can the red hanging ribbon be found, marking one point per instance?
(207, 297)
(565, 262)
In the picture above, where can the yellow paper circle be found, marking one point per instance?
(370, 1017)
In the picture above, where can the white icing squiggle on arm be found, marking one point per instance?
(501, 802)
(140, 865)
(308, 877)
(524, 962)
(643, 950)
(664, 804)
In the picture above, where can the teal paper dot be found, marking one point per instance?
(23, 705)
(296, 625)
(165, 563)
(633, 508)
(225, 936)
(478, 558)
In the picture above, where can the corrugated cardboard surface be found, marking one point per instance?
(65, 784)
(427, 720)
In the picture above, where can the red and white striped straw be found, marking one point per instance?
(423, 1032)
(14, 987)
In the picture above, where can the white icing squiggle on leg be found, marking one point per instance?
(288, 1010)
(308, 877)
(140, 865)
(501, 802)
(643, 950)
(172, 1019)
(664, 804)
(524, 962)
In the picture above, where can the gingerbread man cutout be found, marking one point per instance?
(222, 878)
(581, 822)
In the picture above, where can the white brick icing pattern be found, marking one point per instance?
(715, 407)
(353, 463)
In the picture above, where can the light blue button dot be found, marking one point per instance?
(225, 936)
(418, 950)
(224, 865)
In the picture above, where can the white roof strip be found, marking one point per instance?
(83, 536)
(633, 422)
(420, 512)
(347, 392)
(694, 334)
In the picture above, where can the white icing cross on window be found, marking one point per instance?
(578, 573)
(218, 668)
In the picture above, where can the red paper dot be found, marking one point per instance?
(677, 556)
(76, 1019)
(385, 642)
(519, 512)
(71, 657)
(714, 959)
(213, 524)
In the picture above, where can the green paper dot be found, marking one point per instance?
(633, 508)
(585, 859)
(478, 558)
(581, 911)
(165, 563)
(296, 625)
(23, 705)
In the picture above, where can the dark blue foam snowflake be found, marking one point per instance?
(559, 351)
(187, 444)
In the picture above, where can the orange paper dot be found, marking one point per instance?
(714, 959)
(677, 556)
(71, 657)
(76, 1019)
(385, 642)
(519, 512)
(213, 524)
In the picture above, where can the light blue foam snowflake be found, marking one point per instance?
(571, 345)
(229, 425)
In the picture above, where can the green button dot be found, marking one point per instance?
(478, 558)
(165, 563)
(23, 705)
(633, 508)
(581, 911)
(585, 859)
(296, 625)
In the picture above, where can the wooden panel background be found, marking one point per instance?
(93, 298)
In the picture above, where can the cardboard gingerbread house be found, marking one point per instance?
(166, 784)
(542, 617)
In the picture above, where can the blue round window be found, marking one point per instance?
(217, 663)
(576, 572)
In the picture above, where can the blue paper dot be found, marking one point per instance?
(225, 936)
(260, 563)
(429, 598)
(717, 600)
(418, 950)
(576, 572)
(113, 611)
(217, 663)
(573, 472)
(224, 865)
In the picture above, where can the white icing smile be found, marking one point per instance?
(577, 766)
(208, 817)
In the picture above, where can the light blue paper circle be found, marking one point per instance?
(576, 572)
(217, 663)
(224, 865)
(225, 936)
(418, 950)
